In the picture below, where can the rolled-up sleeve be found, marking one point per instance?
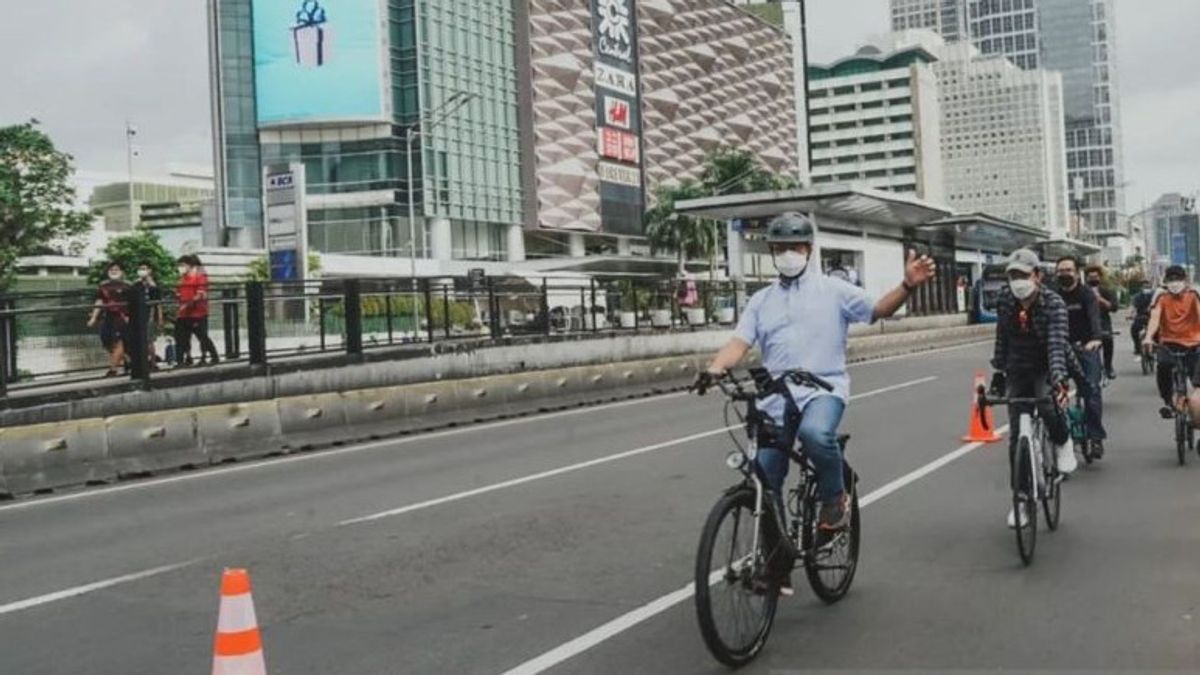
(747, 328)
(857, 305)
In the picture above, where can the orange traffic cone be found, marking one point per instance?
(982, 429)
(238, 649)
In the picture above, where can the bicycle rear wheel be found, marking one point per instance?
(1024, 499)
(735, 596)
(1180, 440)
(830, 567)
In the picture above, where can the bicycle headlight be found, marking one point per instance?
(736, 460)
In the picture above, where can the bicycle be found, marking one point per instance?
(1035, 474)
(1185, 433)
(1076, 423)
(744, 574)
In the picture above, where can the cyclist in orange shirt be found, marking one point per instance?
(1175, 321)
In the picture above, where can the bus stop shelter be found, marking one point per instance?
(868, 231)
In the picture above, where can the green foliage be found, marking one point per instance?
(726, 171)
(37, 202)
(133, 249)
(731, 171)
(667, 230)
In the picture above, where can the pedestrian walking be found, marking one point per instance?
(155, 319)
(192, 316)
(111, 311)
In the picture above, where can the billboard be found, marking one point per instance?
(318, 61)
(618, 115)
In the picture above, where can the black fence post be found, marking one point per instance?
(493, 311)
(6, 342)
(256, 323)
(546, 305)
(637, 310)
(387, 310)
(592, 310)
(139, 315)
(320, 316)
(428, 290)
(445, 312)
(352, 304)
(232, 322)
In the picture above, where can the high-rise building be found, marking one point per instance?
(875, 120)
(1075, 38)
(945, 17)
(1002, 139)
(539, 122)
(1000, 133)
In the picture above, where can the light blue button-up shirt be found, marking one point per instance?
(804, 326)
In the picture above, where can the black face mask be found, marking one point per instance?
(1066, 281)
(1093, 282)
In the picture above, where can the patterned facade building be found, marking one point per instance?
(710, 75)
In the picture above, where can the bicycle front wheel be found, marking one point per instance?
(1025, 500)
(736, 597)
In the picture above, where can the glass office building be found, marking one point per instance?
(1075, 38)
(466, 163)
(235, 127)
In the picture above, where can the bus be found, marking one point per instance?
(987, 289)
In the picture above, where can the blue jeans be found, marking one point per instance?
(1089, 386)
(818, 432)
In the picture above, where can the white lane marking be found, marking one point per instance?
(918, 354)
(48, 598)
(588, 464)
(626, 621)
(371, 445)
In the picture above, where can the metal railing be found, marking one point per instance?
(45, 342)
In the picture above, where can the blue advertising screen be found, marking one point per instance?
(317, 60)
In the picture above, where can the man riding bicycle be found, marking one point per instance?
(1175, 322)
(1031, 342)
(1086, 335)
(1106, 298)
(1142, 297)
(801, 321)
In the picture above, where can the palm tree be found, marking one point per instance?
(667, 230)
(736, 171)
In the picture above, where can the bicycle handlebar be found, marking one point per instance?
(764, 384)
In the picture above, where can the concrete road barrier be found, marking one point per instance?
(239, 431)
(148, 443)
(47, 457)
(63, 454)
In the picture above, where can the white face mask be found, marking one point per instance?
(182, 270)
(1176, 287)
(1022, 288)
(142, 274)
(114, 275)
(790, 263)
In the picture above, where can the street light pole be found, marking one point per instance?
(411, 133)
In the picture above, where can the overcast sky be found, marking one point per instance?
(83, 67)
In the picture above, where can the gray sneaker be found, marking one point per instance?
(835, 515)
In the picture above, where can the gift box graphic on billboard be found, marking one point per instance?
(312, 36)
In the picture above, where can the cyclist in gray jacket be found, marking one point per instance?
(1032, 354)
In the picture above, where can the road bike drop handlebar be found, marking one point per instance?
(986, 401)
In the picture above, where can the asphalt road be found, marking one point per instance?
(565, 544)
